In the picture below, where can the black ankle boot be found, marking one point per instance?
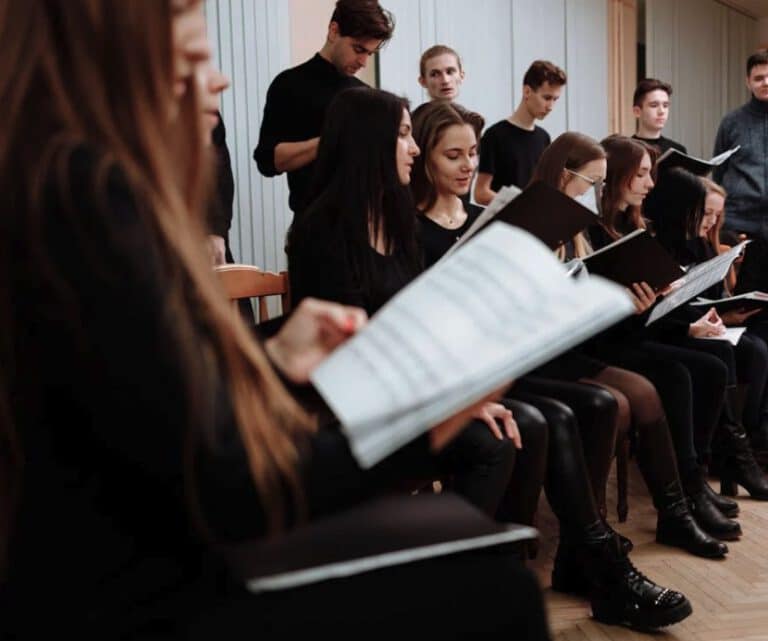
(677, 526)
(728, 507)
(758, 440)
(569, 574)
(738, 465)
(706, 513)
(622, 595)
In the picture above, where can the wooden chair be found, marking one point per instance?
(248, 281)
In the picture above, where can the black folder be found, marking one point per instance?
(698, 166)
(381, 533)
(548, 214)
(635, 258)
(747, 302)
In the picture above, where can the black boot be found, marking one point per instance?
(677, 526)
(737, 463)
(706, 513)
(569, 573)
(758, 440)
(728, 507)
(622, 595)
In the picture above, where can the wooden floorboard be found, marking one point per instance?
(729, 597)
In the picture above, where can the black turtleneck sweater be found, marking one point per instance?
(745, 174)
(295, 111)
(662, 144)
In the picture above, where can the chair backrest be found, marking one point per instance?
(247, 281)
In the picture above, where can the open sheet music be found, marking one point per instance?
(492, 311)
(697, 280)
(675, 158)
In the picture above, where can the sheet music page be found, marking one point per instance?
(491, 312)
(731, 334)
(503, 197)
(696, 280)
(721, 158)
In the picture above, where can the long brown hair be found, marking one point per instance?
(429, 123)
(624, 158)
(87, 73)
(570, 150)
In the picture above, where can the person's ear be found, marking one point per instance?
(636, 111)
(527, 91)
(564, 178)
(461, 75)
(422, 82)
(333, 31)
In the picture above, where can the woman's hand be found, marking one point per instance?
(707, 326)
(736, 317)
(313, 331)
(491, 413)
(643, 297)
(442, 433)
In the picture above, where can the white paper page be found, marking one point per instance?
(503, 197)
(721, 158)
(491, 312)
(731, 334)
(696, 280)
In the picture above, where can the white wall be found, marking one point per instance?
(700, 47)
(251, 43)
(497, 40)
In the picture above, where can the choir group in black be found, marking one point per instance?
(142, 424)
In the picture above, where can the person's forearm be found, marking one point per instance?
(290, 156)
(484, 195)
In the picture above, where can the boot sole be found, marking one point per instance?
(641, 619)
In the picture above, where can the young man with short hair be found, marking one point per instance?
(745, 174)
(650, 104)
(510, 149)
(441, 73)
(298, 98)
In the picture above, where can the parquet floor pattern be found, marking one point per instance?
(729, 597)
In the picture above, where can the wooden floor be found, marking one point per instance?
(729, 597)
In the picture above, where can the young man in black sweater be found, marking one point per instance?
(510, 149)
(298, 98)
(650, 105)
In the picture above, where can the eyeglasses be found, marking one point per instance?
(591, 181)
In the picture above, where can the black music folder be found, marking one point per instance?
(635, 258)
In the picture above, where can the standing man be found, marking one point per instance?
(510, 149)
(745, 174)
(650, 104)
(440, 73)
(298, 98)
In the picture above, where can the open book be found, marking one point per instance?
(748, 301)
(674, 158)
(634, 258)
(490, 312)
(696, 280)
(544, 211)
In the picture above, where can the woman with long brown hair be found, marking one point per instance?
(139, 421)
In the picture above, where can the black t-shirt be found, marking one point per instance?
(662, 143)
(436, 239)
(510, 153)
(295, 110)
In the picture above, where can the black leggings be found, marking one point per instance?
(567, 483)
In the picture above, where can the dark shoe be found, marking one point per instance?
(676, 525)
(738, 466)
(622, 595)
(727, 507)
(706, 513)
(758, 440)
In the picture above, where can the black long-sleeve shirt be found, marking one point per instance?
(103, 542)
(294, 111)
